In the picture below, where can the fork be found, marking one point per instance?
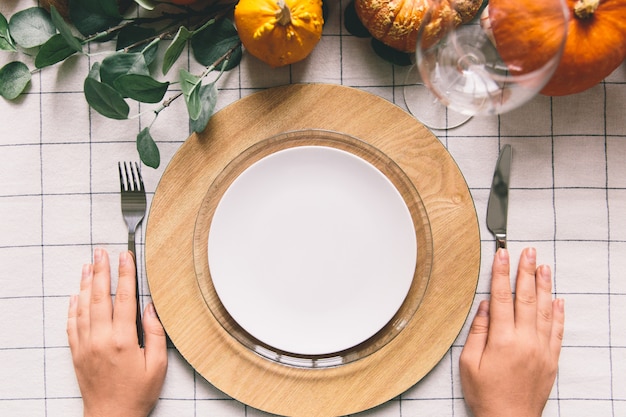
(133, 196)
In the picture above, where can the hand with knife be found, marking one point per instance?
(115, 375)
(509, 361)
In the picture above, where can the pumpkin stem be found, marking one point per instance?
(284, 15)
(584, 9)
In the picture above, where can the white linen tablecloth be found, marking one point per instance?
(59, 199)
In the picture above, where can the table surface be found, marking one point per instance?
(59, 200)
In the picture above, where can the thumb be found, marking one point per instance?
(155, 341)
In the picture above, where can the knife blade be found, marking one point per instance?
(498, 204)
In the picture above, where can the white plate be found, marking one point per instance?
(312, 250)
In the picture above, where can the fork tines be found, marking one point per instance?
(130, 177)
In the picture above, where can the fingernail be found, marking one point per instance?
(503, 256)
(73, 300)
(123, 258)
(86, 272)
(483, 309)
(97, 255)
(531, 255)
(560, 303)
(545, 273)
(151, 310)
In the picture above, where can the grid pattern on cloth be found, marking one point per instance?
(59, 199)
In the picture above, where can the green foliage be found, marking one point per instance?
(142, 88)
(53, 51)
(215, 40)
(89, 19)
(208, 99)
(103, 98)
(148, 149)
(31, 27)
(14, 77)
(65, 30)
(126, 71)
(6, 43)
(176, 48)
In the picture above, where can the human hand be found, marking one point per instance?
(509, 361)
(116, 377)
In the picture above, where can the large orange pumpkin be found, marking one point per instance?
(595, 45)
(396, 22)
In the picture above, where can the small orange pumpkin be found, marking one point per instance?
(595, 45)
(396, 23)
(279, 32)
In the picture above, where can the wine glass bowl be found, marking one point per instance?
(494, 63)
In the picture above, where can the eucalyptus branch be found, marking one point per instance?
(221, 59)
(206, 72)
(160, 36)
(108, 32)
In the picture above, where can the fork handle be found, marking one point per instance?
(132, 249)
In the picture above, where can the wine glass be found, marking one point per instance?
(491, 65)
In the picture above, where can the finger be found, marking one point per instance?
(101, 309)
(83, 324)
(72, 326)
(544, 302)
(525, 291)
(477, 338)
(558, 327)
(125, 307)
(501, 317)
(155, 343)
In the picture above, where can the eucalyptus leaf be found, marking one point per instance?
(203, 27)
(208, 99)
(4, 26)
(89, 22)
(6, 43)
(65, 30)
(151, 50)
(214, 41)
(141, 87)
(94, 72)
(148, 149)
(54, 50)
(172, 53)
(194, 105)
(122, 63)
(102, 7)
(105, 99)
(132, 34)
(188, 81)
(31, 27)
(14, 77)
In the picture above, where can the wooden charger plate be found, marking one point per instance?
(297, 391)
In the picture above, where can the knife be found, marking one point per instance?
(498, 204)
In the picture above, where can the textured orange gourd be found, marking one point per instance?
(396, 22)
(595, 45)
(279, 32)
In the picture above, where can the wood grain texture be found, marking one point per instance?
(277, 388)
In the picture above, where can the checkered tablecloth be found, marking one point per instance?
(59, 199)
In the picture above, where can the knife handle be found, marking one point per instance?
(500, 241)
